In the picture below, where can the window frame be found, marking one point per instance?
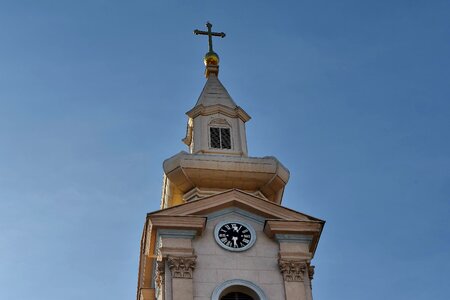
(238, 285)
(220, 128)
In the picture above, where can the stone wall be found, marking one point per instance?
(215, 265)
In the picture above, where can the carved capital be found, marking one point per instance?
(181, 266)
(292, 270)
(311, 272)
(160, 272)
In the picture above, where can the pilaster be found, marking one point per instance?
(181, 269)
(296, 278)
(177, 263)
(160, 279)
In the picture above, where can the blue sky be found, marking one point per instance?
(352, 96)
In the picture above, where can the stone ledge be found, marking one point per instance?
(178, 222)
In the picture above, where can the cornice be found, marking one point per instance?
(201, 110)
(312, 228)
(266, 174)
(238, 199)
(177, 222)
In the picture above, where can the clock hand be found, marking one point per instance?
(234, 238)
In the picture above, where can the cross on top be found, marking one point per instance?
(210, 34)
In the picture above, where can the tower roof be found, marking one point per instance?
(215, 93)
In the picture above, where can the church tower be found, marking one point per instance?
(221, 232)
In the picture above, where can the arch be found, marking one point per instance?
(238, 285)
(219, 122)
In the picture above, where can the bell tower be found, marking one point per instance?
(221, 232)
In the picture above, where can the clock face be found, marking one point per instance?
(234, 236)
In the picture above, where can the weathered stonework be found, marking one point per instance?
(160, 272)
(182, 266)
(311, 272)
(292, 270)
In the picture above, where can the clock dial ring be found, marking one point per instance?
(234, 235)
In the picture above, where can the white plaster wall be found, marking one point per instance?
(201, 135)
(215, 265)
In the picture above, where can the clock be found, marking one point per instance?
(234, 235)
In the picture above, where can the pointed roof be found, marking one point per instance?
(215, 93)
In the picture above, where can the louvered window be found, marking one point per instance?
(220, 138)
(236, 296)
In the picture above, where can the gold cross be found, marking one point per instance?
(210, 34)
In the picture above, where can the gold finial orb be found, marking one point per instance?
(211, 59)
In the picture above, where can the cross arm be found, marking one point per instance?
(221, 34)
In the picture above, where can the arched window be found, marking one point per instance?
(236, 296)
(238, 289)
(219, 134)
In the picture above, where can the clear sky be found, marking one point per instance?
(351, 96)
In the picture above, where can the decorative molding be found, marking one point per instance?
(295, 255)
(176, 251)
(160, 273)
(293, 238)
(292, 270)
(234, 198)
(238, 211)
(182, 266)
(187, 171)
(159, 222)
(176, 233)
(238, 282)
(311, 272)
(201, 110)
(219, 121)
(312, 227)
(189, 130)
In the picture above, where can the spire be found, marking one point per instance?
(211, 58)
(218, 156)
(216, 124)
(215, 93)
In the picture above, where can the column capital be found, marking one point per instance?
(160, 272)
(311, 271)
(182, 266)
(292, 270)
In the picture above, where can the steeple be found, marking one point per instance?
(218, 157)
(216, 124)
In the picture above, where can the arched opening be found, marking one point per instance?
(238, 289)
(236, 296)
(238, 292)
